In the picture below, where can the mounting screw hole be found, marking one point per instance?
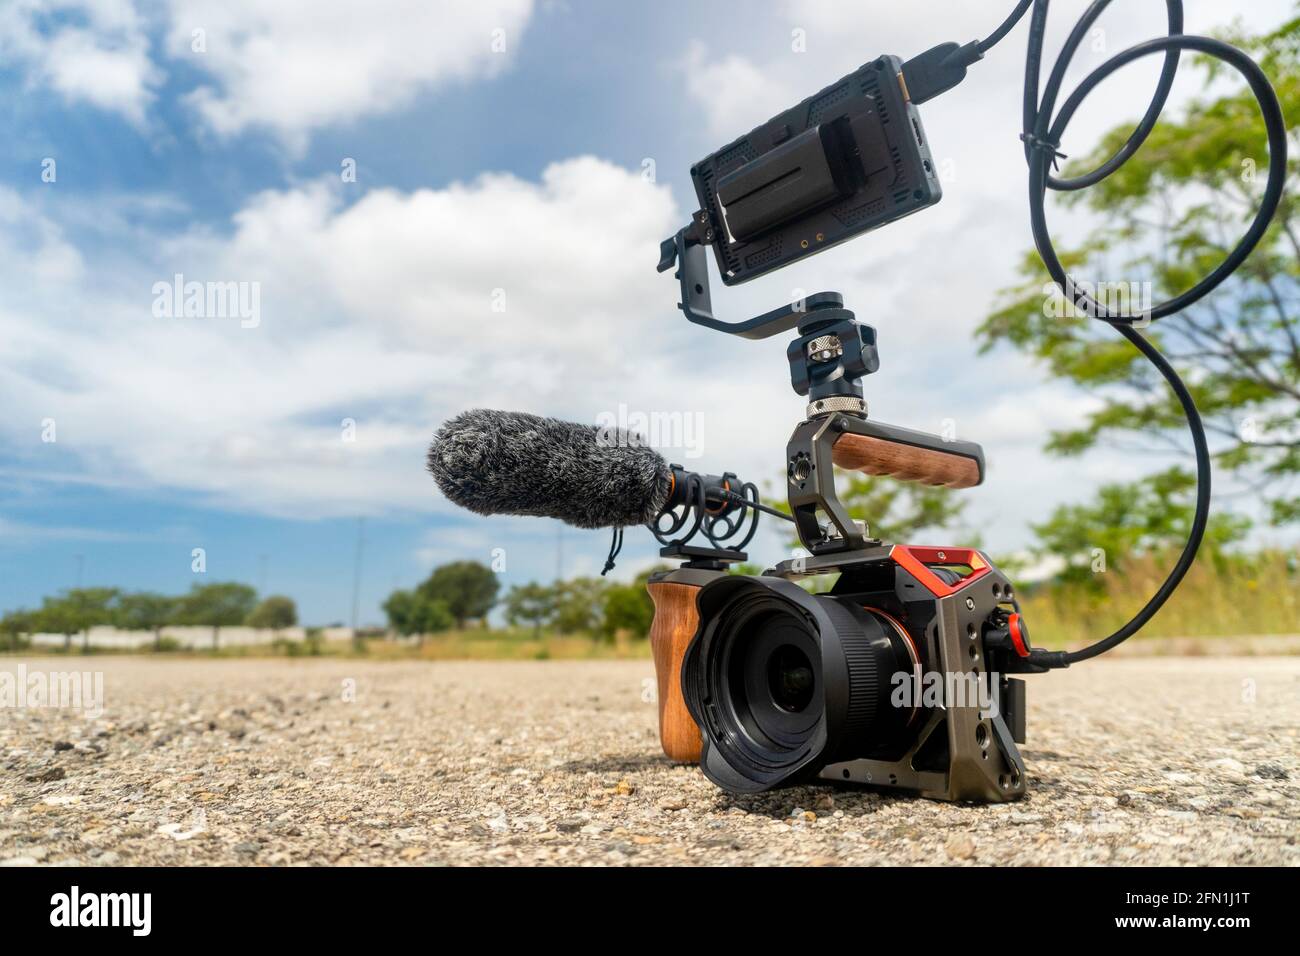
(982, 736)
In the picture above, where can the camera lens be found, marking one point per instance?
(790, 678)
(783, 682)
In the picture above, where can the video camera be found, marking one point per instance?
(904, 673)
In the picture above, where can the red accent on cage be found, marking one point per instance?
(917, 559)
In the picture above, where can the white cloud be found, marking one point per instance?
(380, 311)
(288, 67)
(733, 92)
(97, 53)
(17, 531)
(33, 246)
(379, 308)
(293, 66)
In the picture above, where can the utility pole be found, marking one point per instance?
(356, 573)
(559, 552)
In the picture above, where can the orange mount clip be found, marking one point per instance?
(917, 559)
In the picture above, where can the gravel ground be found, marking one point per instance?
(1139, 761)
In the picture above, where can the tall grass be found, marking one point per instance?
(506, 645)
(1230, 596)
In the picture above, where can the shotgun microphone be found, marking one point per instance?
(512, 463)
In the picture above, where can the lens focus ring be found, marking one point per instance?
(866, 649)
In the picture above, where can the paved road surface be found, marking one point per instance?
(331, 761)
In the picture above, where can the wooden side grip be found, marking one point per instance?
(876, 456)
(674, 625)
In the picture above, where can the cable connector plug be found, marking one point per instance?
(1049, 660)
(939, 69)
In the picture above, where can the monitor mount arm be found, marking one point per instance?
(827, 362)
(686, 250)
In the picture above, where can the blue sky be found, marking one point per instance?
(519, 170)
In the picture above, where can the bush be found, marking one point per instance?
(275, 612)
(627, 607)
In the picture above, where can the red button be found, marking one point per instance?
(1019, 637)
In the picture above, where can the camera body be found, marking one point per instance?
(899, 675)
(896, 677)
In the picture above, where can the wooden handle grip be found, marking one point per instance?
(674, 625)
(876, 456)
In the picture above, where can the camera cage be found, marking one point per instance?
(963, 750)
(764, 200)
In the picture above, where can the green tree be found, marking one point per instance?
(399, 609)
(467, 588)
(225, 604)
(15, 626)
(578, 605)
(432, 617)
(55, 616)
(627, 607)
(145, 611)
(412, 614)
(894, 510)
(275, 612)
(87, 608)
(1167, 217)
(532, 604)
(1127, 521)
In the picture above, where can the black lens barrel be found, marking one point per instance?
(782, 682)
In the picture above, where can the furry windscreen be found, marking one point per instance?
(493, 462)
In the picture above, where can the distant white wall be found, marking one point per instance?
(196, 636)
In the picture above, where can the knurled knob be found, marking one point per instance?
(825, 347)
(850, 404)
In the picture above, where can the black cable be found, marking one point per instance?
(1045, 133)
(615, 546)
(756, 505)
(1008, 24)
(1042, 135)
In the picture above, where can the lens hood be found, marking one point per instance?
(782, 682)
